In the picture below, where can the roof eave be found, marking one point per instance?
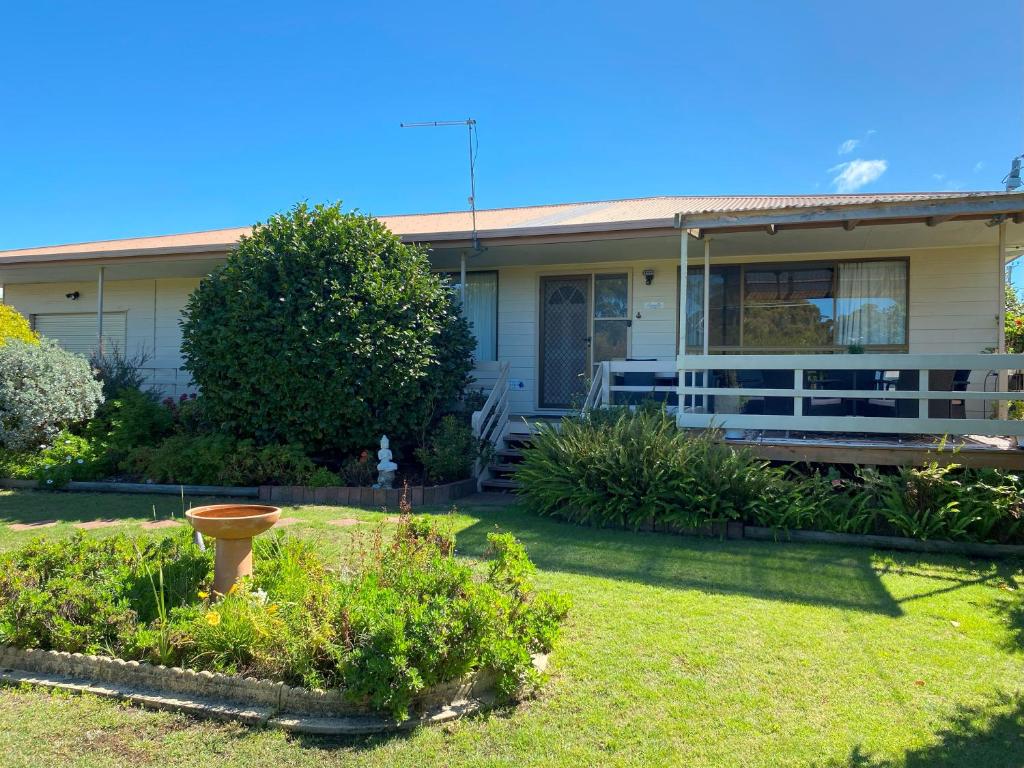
(830, 215)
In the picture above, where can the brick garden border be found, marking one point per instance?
(243, 699)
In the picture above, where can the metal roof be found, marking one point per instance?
(598, 216)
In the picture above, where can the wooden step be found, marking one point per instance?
(509, 453)
(504, 468)
(500, 484)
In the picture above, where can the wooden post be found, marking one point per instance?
(462, 282)
(706, 314)
(1002, 406)
(680, 364)
(99, 313)
(922, 403)
(798, 384)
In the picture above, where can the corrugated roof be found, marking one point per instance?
(633, 213)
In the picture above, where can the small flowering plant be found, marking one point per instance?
(69, 457)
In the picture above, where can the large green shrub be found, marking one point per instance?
(324, 329)
(629, 468)
(42, 390)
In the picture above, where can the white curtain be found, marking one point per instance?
(871, 303)
(481, 311)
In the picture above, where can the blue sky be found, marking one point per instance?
(153, 118)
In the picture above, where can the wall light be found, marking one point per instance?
(648, 276)
(73, 295)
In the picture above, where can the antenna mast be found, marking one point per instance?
(470, 124)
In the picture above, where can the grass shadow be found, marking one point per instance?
(32, 506)
(991, 736)
(818, 575)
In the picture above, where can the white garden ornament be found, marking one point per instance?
(385, 467)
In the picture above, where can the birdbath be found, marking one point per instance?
(233, 526)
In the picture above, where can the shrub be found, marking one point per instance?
(416, 617)
(450, 452)
(130, 420)
(365, 340)
(91, 595)
(182, 459)
(70, 457)
(952, 502)
(631, 468)
(248, 464)
(216, 459)
(118, 371)
(628, 468)
(42, 390)
(14, 325)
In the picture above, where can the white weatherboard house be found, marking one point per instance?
(808, 320)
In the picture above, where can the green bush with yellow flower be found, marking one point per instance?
(402, 613)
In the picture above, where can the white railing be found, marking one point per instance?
(614, 376)
(700, 408)
(490, 423)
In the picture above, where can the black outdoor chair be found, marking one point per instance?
(938, 381)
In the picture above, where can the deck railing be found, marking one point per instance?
(490, 423)
(702, 395)
(620, 377)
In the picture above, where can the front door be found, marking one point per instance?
(564, 340)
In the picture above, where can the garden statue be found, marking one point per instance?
(386, 467)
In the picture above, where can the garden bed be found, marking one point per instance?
(243, 699)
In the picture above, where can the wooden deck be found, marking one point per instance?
(838, 449)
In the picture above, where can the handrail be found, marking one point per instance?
(490, 423)
(596, 394)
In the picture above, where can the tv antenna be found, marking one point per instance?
(470, 124)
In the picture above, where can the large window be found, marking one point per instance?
(481, 310)
(802, 306)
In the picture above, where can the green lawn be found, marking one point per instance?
(678, 651)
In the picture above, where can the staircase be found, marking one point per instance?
(504, 463)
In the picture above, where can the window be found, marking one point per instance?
(786, 306)
(481, 310)
(611, 317)
(76, 331)
(802, 306)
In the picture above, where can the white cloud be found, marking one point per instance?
(855, 174)
(940, 177)
(848, 146)
(978, 166)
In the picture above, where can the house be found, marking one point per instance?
(807, 319)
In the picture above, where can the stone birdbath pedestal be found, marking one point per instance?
(233, 526)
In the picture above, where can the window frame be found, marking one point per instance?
(455, 276)
(834, 264)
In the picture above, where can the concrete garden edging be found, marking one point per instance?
(374, 498)
(243, 699)
(369, 498)
(162, 488)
